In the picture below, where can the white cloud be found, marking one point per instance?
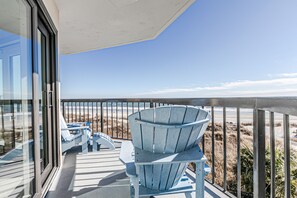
(289, 75)
(284, 75)
(282, 86)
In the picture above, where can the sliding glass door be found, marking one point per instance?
(28, 100)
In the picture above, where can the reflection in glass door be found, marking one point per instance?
(45, 110)
(17, 162)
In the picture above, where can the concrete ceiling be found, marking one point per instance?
(96, 24)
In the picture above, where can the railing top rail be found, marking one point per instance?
(284, 105)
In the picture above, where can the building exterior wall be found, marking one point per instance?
(53, 10)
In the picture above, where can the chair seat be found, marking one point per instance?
(131, 170)
(184, 186)
(102, 139)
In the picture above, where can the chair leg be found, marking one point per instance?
(84, 143)
(188, 195)
(200, 179)
(135, 182)
(131, 189)
(95, 137)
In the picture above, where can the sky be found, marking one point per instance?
(215, 48)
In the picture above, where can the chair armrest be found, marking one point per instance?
(148, 158)
(127, 157)
(170, 126)
(71, 123)
(145, 157)
(75, 128)
(126, 153)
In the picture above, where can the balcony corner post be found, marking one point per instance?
(259, 153)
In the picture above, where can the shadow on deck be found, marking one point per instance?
(99, 174)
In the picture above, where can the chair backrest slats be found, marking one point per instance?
(147, 132)
(137, 136)
(177, 117)
(169, 171)
(196, 132)
(66, 135)
(190, 116)
(147, 142)
(137, 141)
(162, 116)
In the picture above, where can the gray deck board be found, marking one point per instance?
(101, 175)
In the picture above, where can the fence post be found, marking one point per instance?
(259, 153)
(101, 116)
(151, 105)
(286, 126)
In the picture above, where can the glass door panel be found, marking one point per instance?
(17, 165)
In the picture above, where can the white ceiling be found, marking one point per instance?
(96, 24)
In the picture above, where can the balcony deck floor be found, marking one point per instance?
(99, 174)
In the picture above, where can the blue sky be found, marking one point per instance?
(214, 49)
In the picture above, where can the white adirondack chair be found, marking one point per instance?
(165, 140)
(70, 140)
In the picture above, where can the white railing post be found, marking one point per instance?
(259, 153)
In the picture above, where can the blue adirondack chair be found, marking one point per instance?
(165, 140)
(82, 134)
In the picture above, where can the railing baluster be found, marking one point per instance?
(97, 117)
(88, 112)
(111, 109)
(203, 139)
(287, 155)
(127, 120)
(238, 153)
(76, 112)
(67, 112)
(72, 112)
(122, 119)
(225, 149)
(83, 112)
(117, 121)
(101, 117)
(212, 145)
(92, 116)
(107, 126)
(272, 155)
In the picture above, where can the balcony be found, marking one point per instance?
(243, 143)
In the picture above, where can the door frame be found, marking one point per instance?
(46, 95)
